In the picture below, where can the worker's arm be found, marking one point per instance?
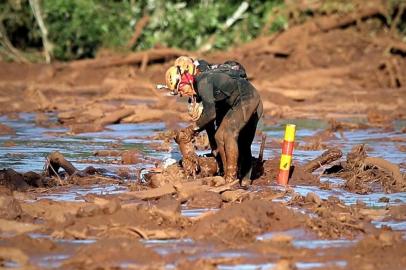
(205, 89)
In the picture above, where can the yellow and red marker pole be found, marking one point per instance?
(287, 153)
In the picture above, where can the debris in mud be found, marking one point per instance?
(342, 126)
(94, 118)
(51, 176)
(297, 174)
(339, 71)
(56, 160)
(12, 180)
(300, 174)
(334, 219)
(365, 174)
(326, 158)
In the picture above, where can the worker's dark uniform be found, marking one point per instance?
(234, 69)
(235, 105)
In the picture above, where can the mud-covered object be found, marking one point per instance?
(183, 137)
(364, 174)
(13, 180)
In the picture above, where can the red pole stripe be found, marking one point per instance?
(287, 148)
(283, 177)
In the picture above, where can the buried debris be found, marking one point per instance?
(365, 174)
(302, 174)
(326, 158)
(56, 160)
(49, 178)
(194, 165)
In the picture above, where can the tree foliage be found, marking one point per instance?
(78, 28)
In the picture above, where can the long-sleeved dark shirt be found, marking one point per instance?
(215, 87)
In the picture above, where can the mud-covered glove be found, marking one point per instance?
(195, 110)
(186, 134)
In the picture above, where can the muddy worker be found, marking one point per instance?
(230, 103)
(187, 66)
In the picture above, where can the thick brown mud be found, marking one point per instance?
(91, 176)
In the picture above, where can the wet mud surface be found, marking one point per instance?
(122, 200)
(116, 216)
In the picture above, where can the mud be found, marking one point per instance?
(119, 194)
(241, 223)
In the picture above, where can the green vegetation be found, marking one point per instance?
(78, 28)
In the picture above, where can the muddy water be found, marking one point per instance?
(33, 143)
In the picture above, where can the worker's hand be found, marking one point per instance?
(190, 131)
(186, 134)
(195, 110)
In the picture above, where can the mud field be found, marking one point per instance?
(90, 175)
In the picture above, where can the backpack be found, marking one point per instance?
(231, 68)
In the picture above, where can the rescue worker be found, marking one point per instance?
(188, 65)
(233, 103)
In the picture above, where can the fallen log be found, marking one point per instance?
(285, 43)
(338, 21)
(132, 59)
(56, 160)
(155, 193)
(327, 157)
(115, 117)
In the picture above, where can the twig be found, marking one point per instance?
(262, 148)
(48, 165)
